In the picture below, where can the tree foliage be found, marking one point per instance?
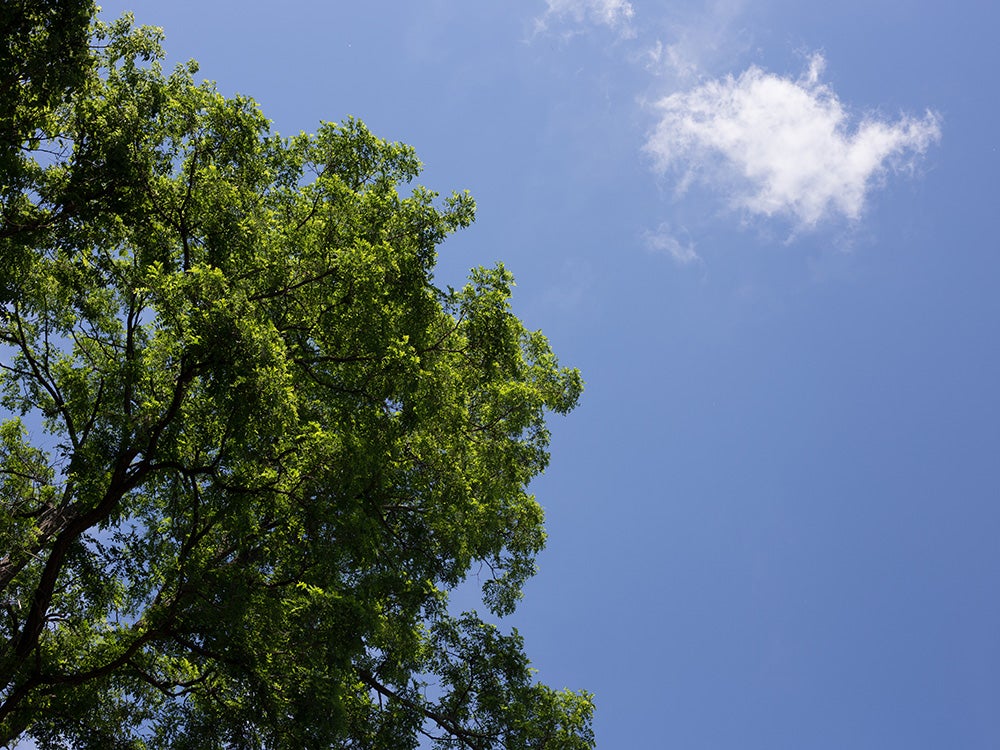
(44, 54)
(250, 447)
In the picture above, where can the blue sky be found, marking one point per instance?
(765, 233)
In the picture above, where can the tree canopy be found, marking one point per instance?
(249, 446)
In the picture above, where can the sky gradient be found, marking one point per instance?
(764, 231)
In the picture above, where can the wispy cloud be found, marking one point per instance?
(783, 146)
(613, 13)
(695, 40)
(664, 242)
(572, 287)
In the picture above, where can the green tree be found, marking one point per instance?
(265, 446)
(44, 54)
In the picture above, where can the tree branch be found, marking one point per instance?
(472, 740)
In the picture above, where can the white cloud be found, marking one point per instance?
(663, 241)
(613, 13)
(782, 146)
